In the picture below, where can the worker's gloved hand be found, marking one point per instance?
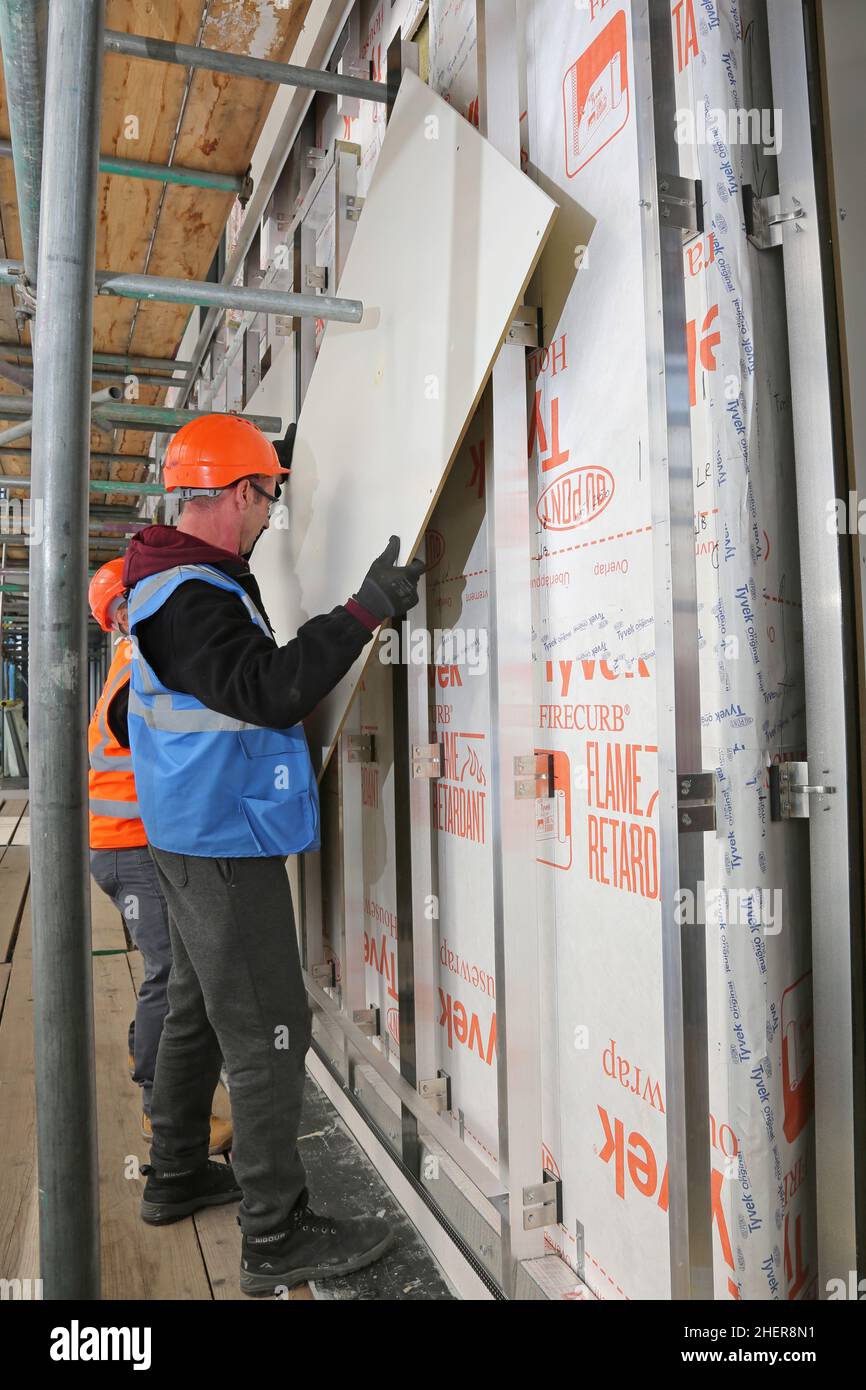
(390, 590)
(285, 447)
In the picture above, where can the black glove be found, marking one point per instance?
(390, 590)
(285, 447)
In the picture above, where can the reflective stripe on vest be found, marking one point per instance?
(121, 810)
(209, 784)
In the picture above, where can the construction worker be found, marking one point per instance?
(227, 791)
(119, 858)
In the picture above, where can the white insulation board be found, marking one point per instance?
(391, 397)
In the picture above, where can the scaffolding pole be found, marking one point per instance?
(167, 289)
(107, 359)
(241, 184)
(241, 65)
(12, 480)
(60, 887)
(133, 416)
(23, 26)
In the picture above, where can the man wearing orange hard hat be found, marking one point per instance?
(119, 859)
(226, 792)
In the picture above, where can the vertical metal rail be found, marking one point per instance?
(62, 984)
(842, 37)
(827, 632)
(678, 688)
(515, 907)
(412, 846)
(23, 29)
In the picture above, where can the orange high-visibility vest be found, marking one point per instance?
(114, 818)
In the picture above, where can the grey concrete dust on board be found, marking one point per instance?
(343, 1182)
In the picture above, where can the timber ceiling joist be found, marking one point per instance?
(161, 113)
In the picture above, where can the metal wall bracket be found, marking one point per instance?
(790, 791)
(426, 760)
(437, 1092)
(247, 190)
(533, 776)
(316, 157)
(360, 748)
(368, 1021)
(765, 218)
(354, 206)
(525, 329)
(316, 277)
(542, 1203)
(325, 974)
(681, 203)
(696, 801)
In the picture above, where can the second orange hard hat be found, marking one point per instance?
(105, 586)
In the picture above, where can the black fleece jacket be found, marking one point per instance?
(202, 642)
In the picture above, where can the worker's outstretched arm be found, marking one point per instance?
(203, 643)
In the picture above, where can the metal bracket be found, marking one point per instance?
(360, 748)
(247, 189)
(368, 1021)
(533, 776)
(790, 791)
(284, 325)
(316, 157)
(681, 203)
(525, 328)
(696, 801)
(354, 207)
(765, 219)
(25, 299)
(325, 974)
(542, 1203)
(426, 760)
(316, 277)
(437, 1092)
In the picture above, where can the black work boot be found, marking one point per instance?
(172, 1195)
(311, 1247)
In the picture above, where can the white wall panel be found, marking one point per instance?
(391, 397)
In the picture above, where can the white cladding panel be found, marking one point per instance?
(391, 397)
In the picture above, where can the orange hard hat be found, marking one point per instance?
(105, 586)
(213, 451)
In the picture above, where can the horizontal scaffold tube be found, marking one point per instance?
(105, 359)
(9, 480)
(168, 290)
(241, 65)
(96, 456)
(240, 184)
(132, 416)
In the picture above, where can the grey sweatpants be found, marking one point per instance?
(235, 991)
(130, 879)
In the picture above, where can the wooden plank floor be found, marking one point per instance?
(194, 1259)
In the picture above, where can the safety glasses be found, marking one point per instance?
(273, 497)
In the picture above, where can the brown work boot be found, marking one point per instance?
(221, 1133)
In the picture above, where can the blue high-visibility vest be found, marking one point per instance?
(208, 784)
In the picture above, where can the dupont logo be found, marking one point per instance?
(434, 547)
(575, 498)
(392, 1018)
